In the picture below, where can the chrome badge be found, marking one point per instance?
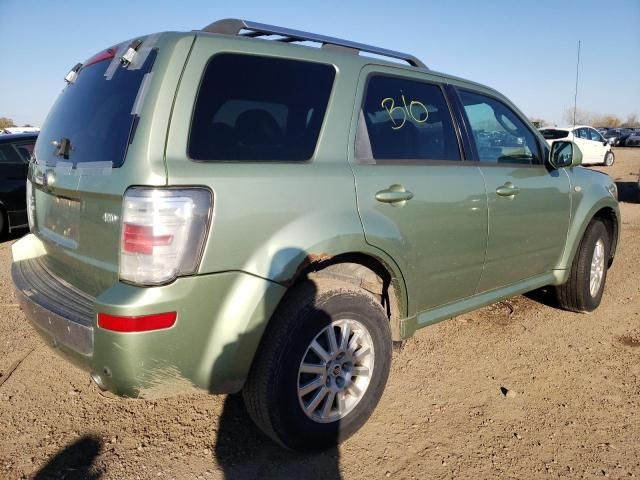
(108, 217)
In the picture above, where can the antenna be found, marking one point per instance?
(575, 97)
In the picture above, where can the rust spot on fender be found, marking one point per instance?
(310, 259)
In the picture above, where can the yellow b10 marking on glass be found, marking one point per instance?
(389, 105)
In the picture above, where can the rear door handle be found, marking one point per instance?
(396, 195)
(507, 190)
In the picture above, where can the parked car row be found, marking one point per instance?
(633, 140)
(623, 137)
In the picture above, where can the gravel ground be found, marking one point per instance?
(519, 389)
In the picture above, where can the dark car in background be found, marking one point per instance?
(617, 136)
(633, 140)
(15, 152)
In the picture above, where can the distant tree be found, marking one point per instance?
(582, 117)
(608, 120)
(6, 122)
(632, 121)
(538, 122)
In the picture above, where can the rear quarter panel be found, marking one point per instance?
(272, 218)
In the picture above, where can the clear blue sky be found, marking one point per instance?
(526, 50)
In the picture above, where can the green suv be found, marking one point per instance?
(229, 210)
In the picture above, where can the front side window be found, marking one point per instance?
(403, 119)
(595, 136)
(253, 108)
(500, 135)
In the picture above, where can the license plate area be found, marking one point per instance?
(62, 221)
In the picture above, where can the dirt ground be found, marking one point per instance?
(572, 411)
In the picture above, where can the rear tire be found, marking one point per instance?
(609, 158)
(582, 292)
(349, 379)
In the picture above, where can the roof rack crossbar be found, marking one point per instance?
(234, 26)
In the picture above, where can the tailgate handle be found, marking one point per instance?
(396, 195)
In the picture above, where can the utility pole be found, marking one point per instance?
(575, 97)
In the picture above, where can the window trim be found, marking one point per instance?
(406, 161)
(313, 156)
(476, 156)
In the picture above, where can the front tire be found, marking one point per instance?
(609, 158)
(583, 291)
(321, 367)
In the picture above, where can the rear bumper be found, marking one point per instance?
(221, 318)
(34, 288)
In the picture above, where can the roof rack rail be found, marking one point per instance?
(234, 26)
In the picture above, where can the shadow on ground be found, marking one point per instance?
(545, 296)
(628, 192)
(243, 452)
(8, 238)
(75, 461)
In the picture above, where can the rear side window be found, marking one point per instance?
(403, 119)
(253, 108)
(553, 134)
(95, 113)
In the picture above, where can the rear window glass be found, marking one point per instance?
(253, 108)
(95, 114)
(9, 155)
(25, 149)
(551, 134)
(404, 119)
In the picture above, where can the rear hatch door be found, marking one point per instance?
(95, 143)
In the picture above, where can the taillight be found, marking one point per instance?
(163, 233)
(141, 239)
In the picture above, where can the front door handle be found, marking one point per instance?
(396, 195)
(507, 190)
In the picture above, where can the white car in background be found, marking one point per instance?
(11, 130)
(595, 149)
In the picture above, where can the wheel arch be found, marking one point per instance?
(606, 211)
(610, 218)
(379, 276)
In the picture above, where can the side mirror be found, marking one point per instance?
(564, 154)
(605, 142)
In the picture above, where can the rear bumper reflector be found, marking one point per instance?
(144, 323)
